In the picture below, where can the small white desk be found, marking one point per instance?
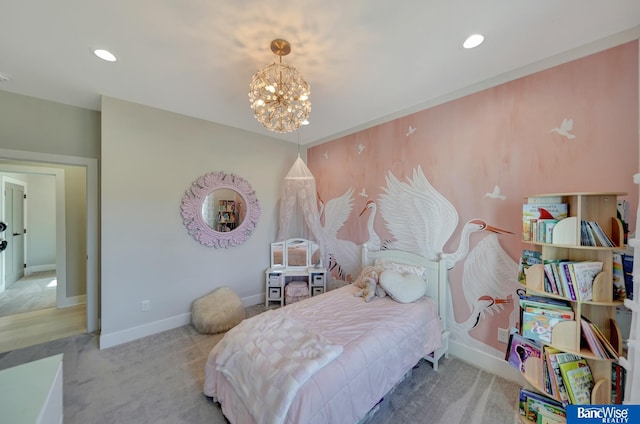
(277, 279)
(32, 392)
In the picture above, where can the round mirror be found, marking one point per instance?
(223, 210)
(220, 209)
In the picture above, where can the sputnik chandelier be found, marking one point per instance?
(279, 95)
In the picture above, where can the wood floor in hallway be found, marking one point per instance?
(31, 328)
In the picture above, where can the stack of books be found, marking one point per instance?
(540, 409)
(591, 234)
(568, 378)
(538, 220)
(599, 345)
(577, 377)
(571, 279)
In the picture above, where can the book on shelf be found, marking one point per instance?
(537, 216)
(618, 381)
(554, 265)
(601, 238)
(580, 383)
(565, 278)
(545, 418)
(558, 388)
(592, 341)
(587, 237)
(585, 272)
(571, 279)
(519, 349)
(623, 210)
(538, 326)
(577, 378)
(603, 345)
(550, 283)
(551, 312)
(528, 258)
(627, 266)
(527, 300)
(544, 230)
(533, 405)
(619, 290)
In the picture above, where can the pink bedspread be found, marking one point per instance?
(381, 341)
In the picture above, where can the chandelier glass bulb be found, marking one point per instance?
(279, 95)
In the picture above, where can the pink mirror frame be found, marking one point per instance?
(191, 210)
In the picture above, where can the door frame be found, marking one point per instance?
(91, 167)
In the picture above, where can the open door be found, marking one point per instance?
(14, 234)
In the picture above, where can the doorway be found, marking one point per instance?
(29, 281)
(56, 164)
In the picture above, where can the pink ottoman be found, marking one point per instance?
(295, 291)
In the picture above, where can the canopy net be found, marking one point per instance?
(299, 215)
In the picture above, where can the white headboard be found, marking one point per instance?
(435, 273)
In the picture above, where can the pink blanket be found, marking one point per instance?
(268, 359)
(381, 341)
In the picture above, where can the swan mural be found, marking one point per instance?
(488, 273)
(374, 242)
(344, 255)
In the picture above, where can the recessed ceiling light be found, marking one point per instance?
(473, 41)
(105, 55)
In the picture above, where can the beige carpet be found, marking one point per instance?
(159, 379)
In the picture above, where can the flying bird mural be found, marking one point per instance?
(410, 131)
(495, 194)
(565, 127)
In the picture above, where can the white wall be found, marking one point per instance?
(150, 158)
(41, 221)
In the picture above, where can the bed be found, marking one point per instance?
(330, 358)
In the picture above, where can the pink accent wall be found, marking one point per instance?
(500, 136)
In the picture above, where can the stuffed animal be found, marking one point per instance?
(369, 287)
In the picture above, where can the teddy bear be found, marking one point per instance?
(369, 287)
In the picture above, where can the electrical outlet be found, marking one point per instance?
(146, 305)
(503, 335)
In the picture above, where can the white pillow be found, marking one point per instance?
(403, 288)
(401, 268)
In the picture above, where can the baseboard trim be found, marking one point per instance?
(485, 361)
(73, 301)
(39, 268)
(252, 300)
(140, 331)
(119, 337)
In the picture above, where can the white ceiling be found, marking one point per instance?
(366, 60)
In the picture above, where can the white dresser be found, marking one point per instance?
(32, 392)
